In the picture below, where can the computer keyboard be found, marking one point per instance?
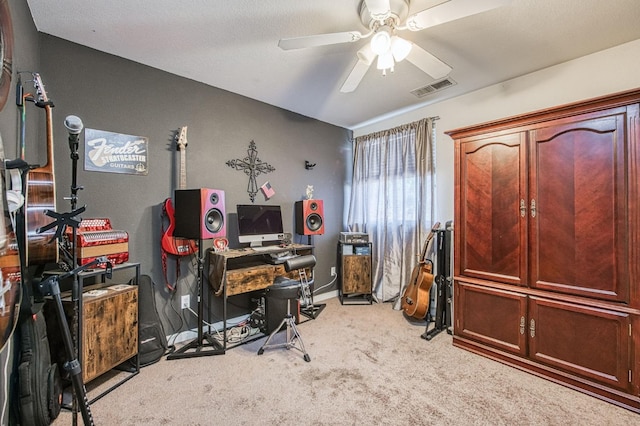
(282, 256)
(263, 248)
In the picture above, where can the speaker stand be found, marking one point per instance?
(313, 310)
(204, 344)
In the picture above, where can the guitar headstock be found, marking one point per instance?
(182, 138)
(42, 98)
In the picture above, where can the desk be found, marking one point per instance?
(239, 271)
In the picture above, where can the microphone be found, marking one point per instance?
(74, 126)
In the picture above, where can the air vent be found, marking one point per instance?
(433, 87)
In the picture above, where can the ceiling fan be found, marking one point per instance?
(385, 18)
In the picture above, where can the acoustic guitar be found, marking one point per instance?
(416, 296)
(169, 243)
(10, 294)
(10, 276)
(41, 247)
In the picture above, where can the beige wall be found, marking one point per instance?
(609, 71)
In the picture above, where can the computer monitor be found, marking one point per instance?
(259, 223)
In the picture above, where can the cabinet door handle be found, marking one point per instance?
(523, 208)
(522, 324)
(532, 327)
(533, 208)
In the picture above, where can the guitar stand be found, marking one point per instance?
(62, 220)
(439, 321)
(51, 287)
(204, 344)
(443, 286)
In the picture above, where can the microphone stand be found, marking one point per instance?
(74, 126)
(62, 220)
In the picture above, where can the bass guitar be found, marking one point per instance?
(41, 247)
(416, 296)
(170, 244)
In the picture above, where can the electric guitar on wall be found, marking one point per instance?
(169, 243)
(416, 296)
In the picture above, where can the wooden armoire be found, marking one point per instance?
(547, 244)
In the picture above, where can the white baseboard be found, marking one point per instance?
(184, 336)
(325, 296)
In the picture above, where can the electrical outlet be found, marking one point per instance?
(185, 302)
(333, 271)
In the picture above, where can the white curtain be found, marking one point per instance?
(392, 199)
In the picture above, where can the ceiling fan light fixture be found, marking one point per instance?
(366, 55)
(381, 41)
(385, 62)
(400, 48)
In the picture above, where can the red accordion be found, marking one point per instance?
(96, 238)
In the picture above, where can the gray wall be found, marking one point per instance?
(114, 94)
(25, 57)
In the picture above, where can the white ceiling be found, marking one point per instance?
(233, 45)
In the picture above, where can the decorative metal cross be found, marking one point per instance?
(252, 166)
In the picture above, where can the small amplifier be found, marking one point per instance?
(354, 237)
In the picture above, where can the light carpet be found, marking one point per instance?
(369, 365)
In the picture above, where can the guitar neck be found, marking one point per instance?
(48, 166)
(183, 169)
(432, 233)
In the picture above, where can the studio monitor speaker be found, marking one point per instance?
(199, 214)
(309, 217)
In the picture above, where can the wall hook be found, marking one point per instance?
(308, 165)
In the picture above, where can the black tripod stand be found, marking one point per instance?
(204, 344)
(51, 287)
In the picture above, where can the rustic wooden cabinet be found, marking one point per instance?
(354, 271)
(547, 213)
(109, 328)
(104, 322)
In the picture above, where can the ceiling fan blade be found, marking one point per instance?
(427, 62)
(365, 59)
(450, 11)
(378, 9)
(355, 77)
(319, 40)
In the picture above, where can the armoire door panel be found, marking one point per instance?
(494, 317)
(578, 184)
(492, 229)
(590, 342)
